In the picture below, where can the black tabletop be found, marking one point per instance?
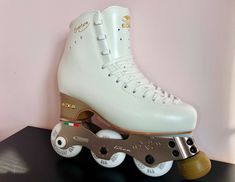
(28, 156)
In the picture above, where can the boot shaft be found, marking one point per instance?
(95, 38)
(99, 37)
(117, 27)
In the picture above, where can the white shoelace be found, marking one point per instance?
(125, 70)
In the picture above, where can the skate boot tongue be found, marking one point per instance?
(116, 21)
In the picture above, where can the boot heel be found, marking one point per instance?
(73, 109)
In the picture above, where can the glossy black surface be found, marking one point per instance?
(30, 150)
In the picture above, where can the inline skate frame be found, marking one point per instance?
(98, 77)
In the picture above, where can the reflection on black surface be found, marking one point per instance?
(110, 175)
(70, 170)
(11, 162)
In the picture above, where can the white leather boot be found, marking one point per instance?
(97, 75)
(97, 69)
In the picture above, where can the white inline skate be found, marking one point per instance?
(97, 76)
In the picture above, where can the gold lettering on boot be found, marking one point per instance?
(68, 105)
(81, 27)
(126, 21)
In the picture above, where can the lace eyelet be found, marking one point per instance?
(133, 91)
(117, 81)
(102, 67)
(109, 75)
(125, 86)
(143, 96)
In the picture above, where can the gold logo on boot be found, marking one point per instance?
(68, 105)
(126, 21)
(81, 27)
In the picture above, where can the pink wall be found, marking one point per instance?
(184, 46)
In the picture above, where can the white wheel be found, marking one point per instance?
(117, 158)
(59, 142)
(157, 171)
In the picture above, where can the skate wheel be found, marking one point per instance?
(156, 171)
(58, 142)
(195, 167)
(117, 158)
